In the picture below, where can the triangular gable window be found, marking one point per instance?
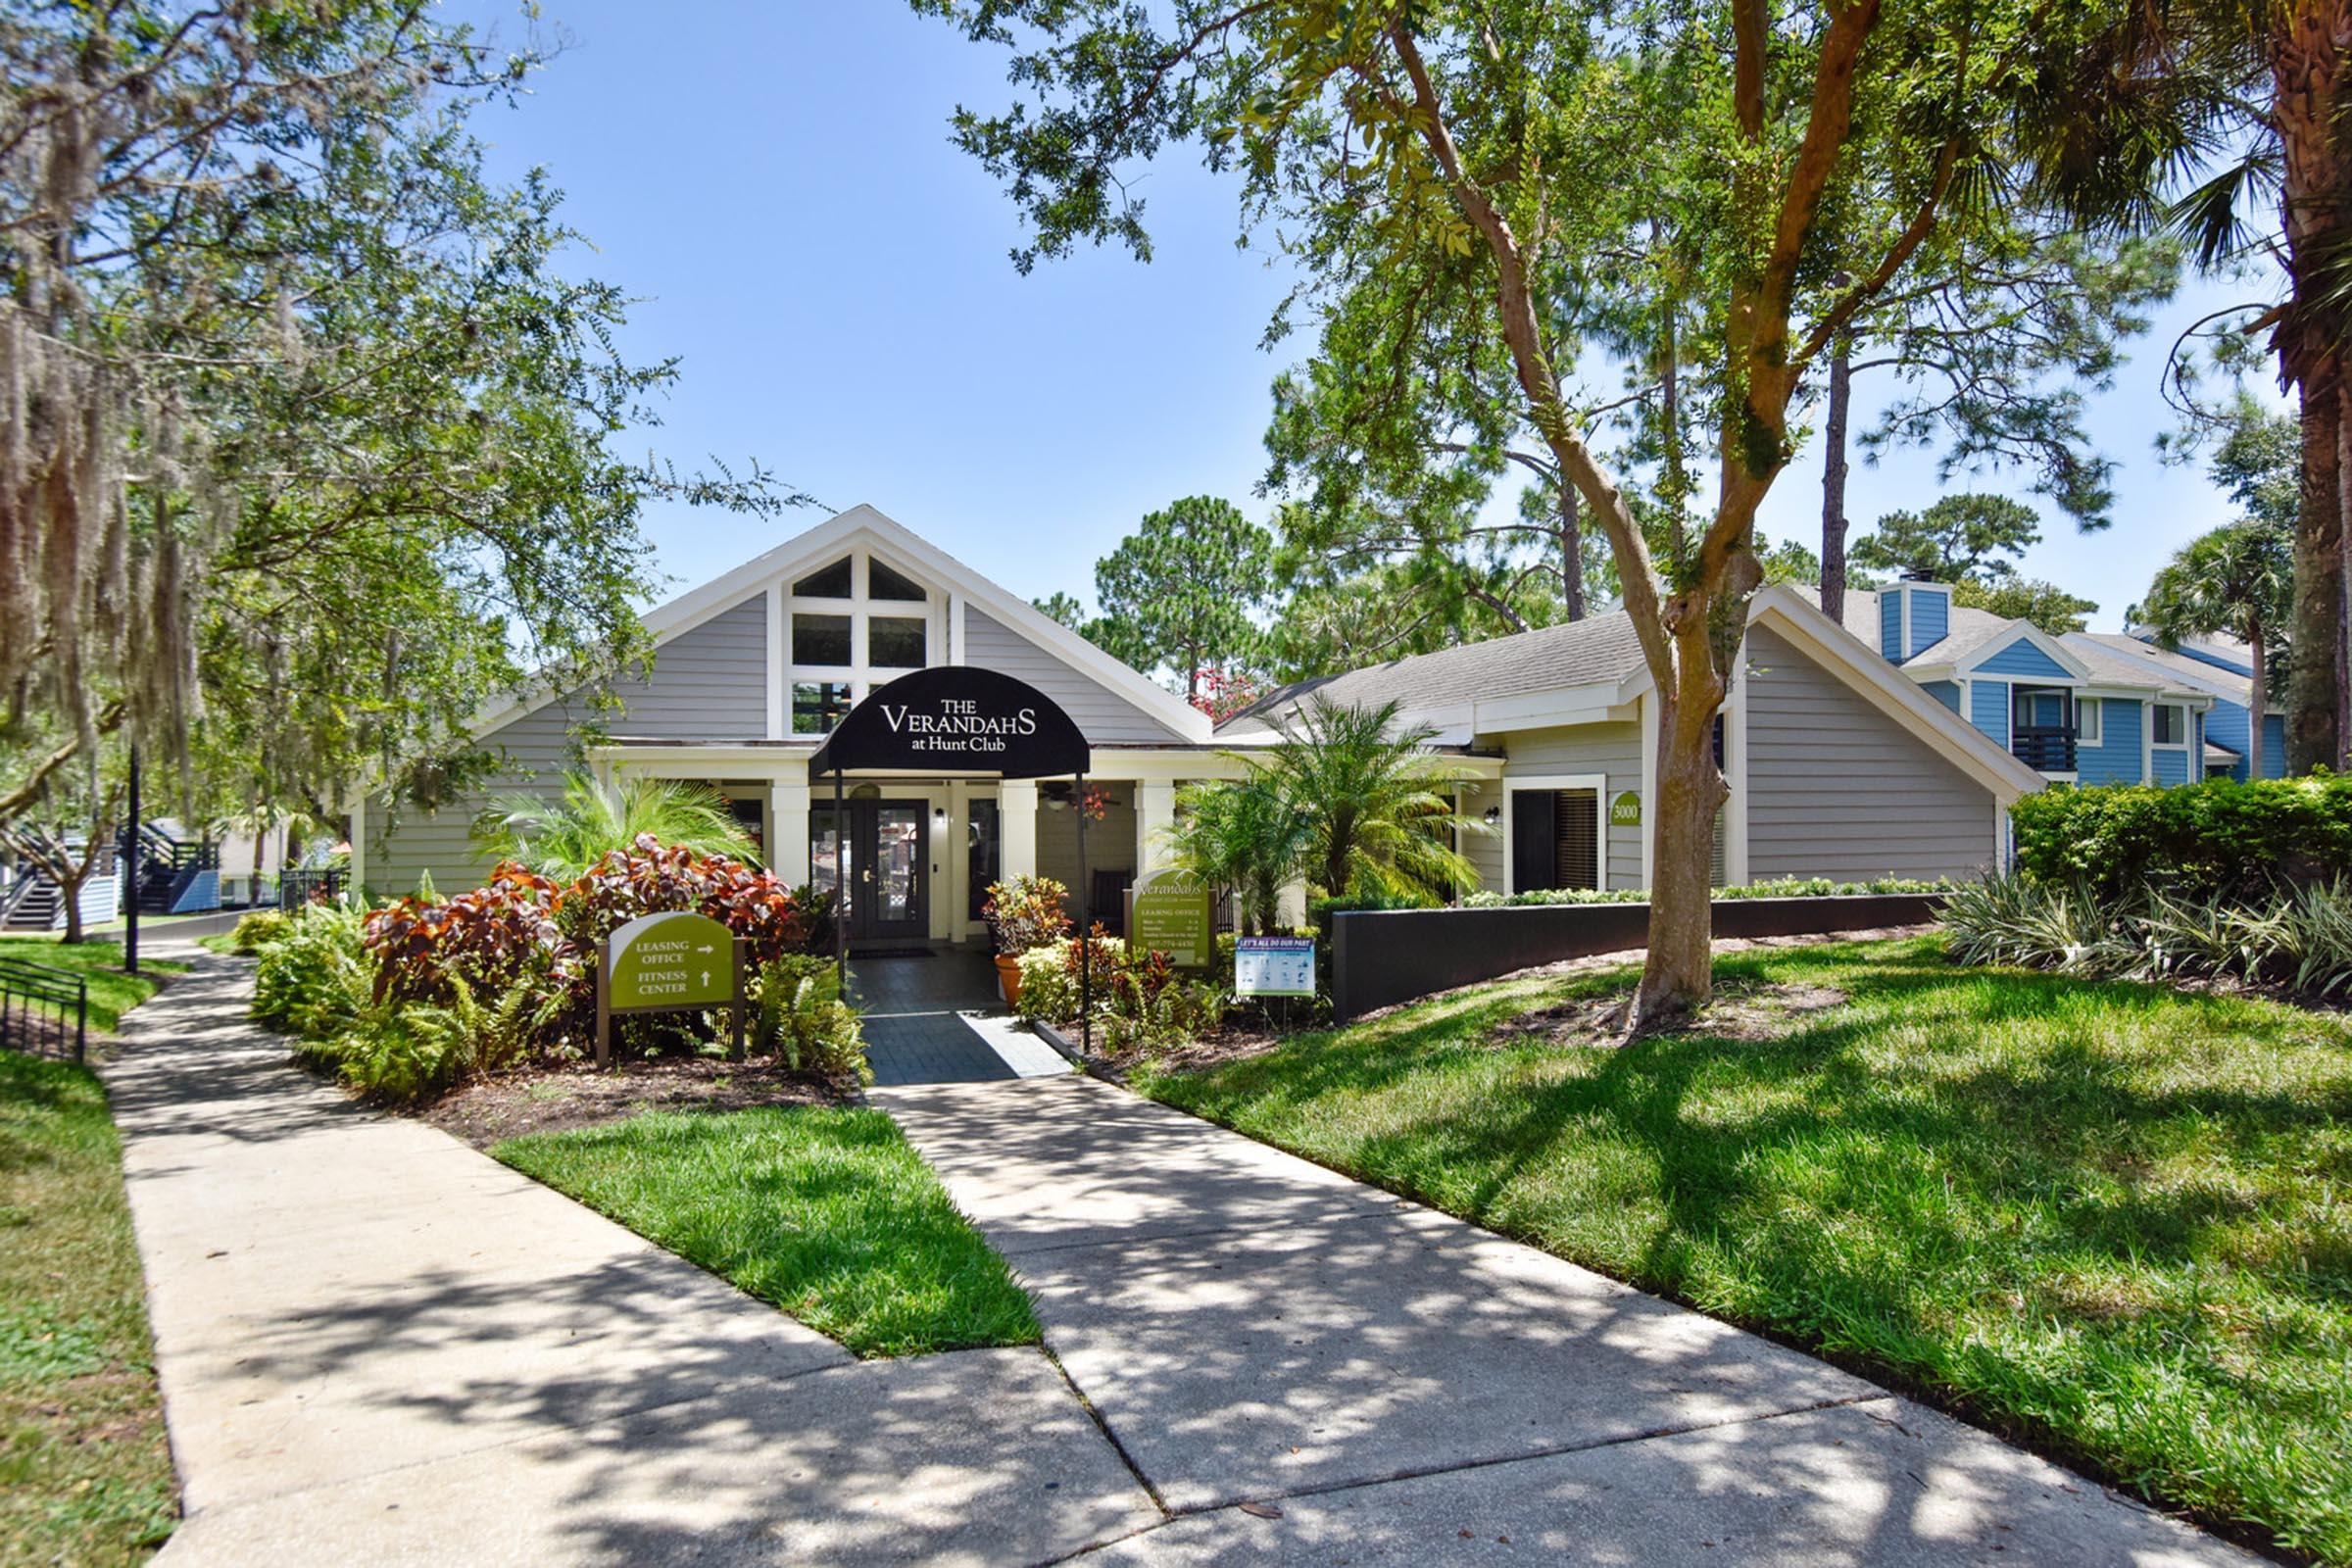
(831, 583)
(881, 583)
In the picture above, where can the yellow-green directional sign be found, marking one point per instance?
(1172, 916)
(673, 959)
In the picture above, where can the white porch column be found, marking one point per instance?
(359, 848)
(788, 831)
(1017, 829)
(1154, 816)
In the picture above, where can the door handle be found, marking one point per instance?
(866, 875)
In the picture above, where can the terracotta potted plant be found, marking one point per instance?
(1023, 914)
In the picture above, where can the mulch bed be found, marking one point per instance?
(1749, 1013)
(555, 1099)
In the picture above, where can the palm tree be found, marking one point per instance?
(564, 837)
(2237, 579)
(1241, 834)
(2252, 100)
(1378, 810)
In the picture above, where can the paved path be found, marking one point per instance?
(939, 1020)
(377, 1345)
(1306, 1369)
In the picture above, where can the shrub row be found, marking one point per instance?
(2299, 939)
(2216, 839)
(1819, 887)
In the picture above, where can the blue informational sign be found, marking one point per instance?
(1274, 966)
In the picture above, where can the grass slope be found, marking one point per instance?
(112, 992)
(85, 1474)
(826, 1211)
(2111, 1218)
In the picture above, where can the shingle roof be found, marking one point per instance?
(1578, 653)
(2178, 668)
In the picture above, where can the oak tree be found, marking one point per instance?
(1628, 187)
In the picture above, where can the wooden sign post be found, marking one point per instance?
(669, 963)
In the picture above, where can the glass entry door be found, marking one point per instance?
(887, 865)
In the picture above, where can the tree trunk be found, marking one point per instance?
(2307, 59)
(1833, 480)
(2312, 739)
(1572, 554)
(1678, 975)
(70, 881)
(2257, 698)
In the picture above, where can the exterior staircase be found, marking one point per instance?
(30, 903)
(170, 871)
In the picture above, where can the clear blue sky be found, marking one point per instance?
(779, 190)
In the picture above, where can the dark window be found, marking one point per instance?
(881, 583)
(2168, 725)
(831, 583)
(818, 705)
(820, 640)
(1556, 838)
(1576, 841)
(980, 837)
(893, 642)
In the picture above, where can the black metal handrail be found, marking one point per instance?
(42, 1004)
(2043, 747)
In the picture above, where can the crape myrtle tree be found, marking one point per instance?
(1674, 164)
(309, 449)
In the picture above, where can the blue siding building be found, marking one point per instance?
(2074, 709)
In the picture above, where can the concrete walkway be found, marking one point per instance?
(377, 1345)
(1306, 1369)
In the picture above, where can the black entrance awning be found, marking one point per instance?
(955, 718)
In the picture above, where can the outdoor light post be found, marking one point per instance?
(1086, 940)
(128, 874)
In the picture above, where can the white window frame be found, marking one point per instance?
(2090, 720)
(1597, 783)
(862, 607)
(2183, 726)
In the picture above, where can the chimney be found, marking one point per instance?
(1914, 615)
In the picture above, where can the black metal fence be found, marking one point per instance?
(298, 888)
(43, 1009)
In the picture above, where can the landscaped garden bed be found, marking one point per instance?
(85, 1472)
(486, 1112)
(2107, 1218)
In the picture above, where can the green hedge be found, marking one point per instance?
(2218, 839)
(1789, 887)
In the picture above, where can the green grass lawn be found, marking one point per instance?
(112, 992)
(826, 1211)
(2111, 1219)
(85, 1474)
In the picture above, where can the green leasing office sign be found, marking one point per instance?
(673, 960)
(1170, 916)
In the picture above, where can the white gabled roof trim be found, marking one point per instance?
(2028, 633)
(1894, 692)
(812, 547)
